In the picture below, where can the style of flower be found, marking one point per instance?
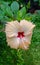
(19, 34)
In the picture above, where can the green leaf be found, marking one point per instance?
(1, 14)
(38, 12)
(21, 13)
(3, 17)
(35, 0)
(39, 2)
(28, 5)
(6, 9)
(28, 16)
(3, 2)
(9, 12)
(6, 18)
(14, 6)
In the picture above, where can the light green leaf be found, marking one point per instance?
(28, 5)
(6, 9)
(28, 16)
(14, 6)
(21, 13)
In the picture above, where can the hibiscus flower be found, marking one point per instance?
(19, 34)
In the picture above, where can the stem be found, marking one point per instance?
(20, 60)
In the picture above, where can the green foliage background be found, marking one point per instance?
(10, 56)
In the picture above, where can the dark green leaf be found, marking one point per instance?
(1, 14)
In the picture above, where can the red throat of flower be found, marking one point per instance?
(21, 34)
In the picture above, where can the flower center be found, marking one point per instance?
(21, 34)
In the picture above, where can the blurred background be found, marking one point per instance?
(18, 10)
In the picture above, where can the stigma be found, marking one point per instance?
(21, 35)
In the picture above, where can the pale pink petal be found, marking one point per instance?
(13, 42)
(27, 26)
(28, 39)
(12, 28)
(24, 44)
